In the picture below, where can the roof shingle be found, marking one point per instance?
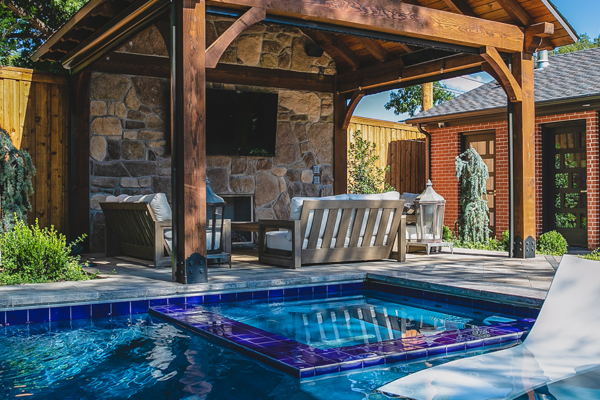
(569, 75)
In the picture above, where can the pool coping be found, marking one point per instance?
(514, 295)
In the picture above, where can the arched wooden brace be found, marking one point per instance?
(501, 73)
(356, 98)
(216, 50)
(342, 115)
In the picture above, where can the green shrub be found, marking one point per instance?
(364, 175)
(447, 236)
(552, 244)
(594, 255)
(34, 255)
(506, 240)
(492, 244)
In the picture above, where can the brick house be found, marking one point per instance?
(567, 99)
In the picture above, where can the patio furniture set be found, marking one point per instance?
(321, 230)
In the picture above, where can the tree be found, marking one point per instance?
(472, 174)
(409, 100)
(365, 177)
(16, 172)
(26, 24)
(583, 43)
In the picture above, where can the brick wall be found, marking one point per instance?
(446, 145)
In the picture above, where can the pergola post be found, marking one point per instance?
(524, 158)
(340, 145)
(188, 84)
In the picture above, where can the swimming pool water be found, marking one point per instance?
(370, 317)
(141, 357)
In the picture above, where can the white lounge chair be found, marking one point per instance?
(564, 342)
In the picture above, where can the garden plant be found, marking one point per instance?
(365, 177)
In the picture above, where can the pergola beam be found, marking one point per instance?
(393, 72)
(375, 49)
(216, 50)
(390, 16)
(340, 47)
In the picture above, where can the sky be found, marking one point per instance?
(581, 14)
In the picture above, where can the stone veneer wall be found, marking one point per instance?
(129, 138)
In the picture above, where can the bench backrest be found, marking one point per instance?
(337, 224)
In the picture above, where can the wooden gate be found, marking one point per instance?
(34, 111)
(408, 168)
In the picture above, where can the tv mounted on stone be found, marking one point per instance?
(240, 123)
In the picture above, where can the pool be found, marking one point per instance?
(119, 350)
(309, 332)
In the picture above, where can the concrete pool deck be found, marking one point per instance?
(467, 272)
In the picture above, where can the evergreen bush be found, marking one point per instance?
(552, 244)
(506, 240)
(16, 171)
(365, 177)
(472, 174)
(447, 235)
(34, 255)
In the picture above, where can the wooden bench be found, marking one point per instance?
(316, 239)
(138, 234)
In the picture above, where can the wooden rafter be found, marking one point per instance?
(503, 75)
(516, 12)
(535, 34)
(375, 49)
(390, 16)
(393, 72)
(460, 7)
(342, 48)
(215, 51)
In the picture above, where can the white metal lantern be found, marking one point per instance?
(430, 207)
(215, 206)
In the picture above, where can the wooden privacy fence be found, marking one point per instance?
(34, 111)
(382, 133)
(408, 169)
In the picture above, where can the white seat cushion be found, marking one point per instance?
(377, 196)
(278, 240)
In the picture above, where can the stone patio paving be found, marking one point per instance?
(467, 272)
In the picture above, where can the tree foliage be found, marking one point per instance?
(26, 24)
(409, 100)
(472, 174)
(16, 171)
(365, 176)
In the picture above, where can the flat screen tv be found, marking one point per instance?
(240, 123)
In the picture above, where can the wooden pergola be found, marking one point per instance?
(377, 45)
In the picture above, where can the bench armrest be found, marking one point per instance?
(293, 226)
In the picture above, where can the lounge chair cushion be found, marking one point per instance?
(296, 204)
(377, 196)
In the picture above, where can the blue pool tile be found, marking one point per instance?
(350, 365)
(38, 315)
(347, 287)
(334, 294)
(428, 295)
(413, 354)
(437, 350)
(453, 299)
(465, 301)
(394, 358)
(121, 308)
(359, 286)
(291, 292)
(100, 310)
(320, 289)
(308, 291)
(371, 361)
(492, 306)
(453, 348)
(211, 298)
(507, 309)
(17, 317)
(473, 344)
(419, 294)
(261, 294)
(242, 296)
(140, 306)
(177, 300)
(2, 318)
(522, 311)
(158, 302)
(441, 297)
(275, 294)
(228, 297)
(533, 313)
(492, 340)
(327, 369)
(478, 303)
(81, 312)
(307, 373)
